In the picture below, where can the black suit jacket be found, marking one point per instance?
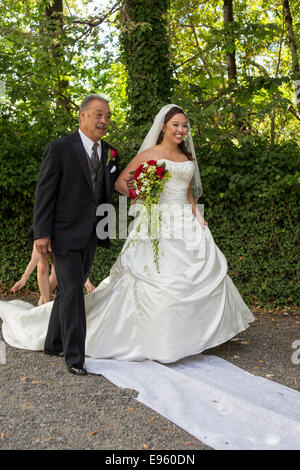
(64, 206)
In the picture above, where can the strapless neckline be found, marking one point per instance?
(173, 161)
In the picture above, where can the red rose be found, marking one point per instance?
(138, 171)
(132, 194)
(160, 171)
(152, 162)
(113, 153)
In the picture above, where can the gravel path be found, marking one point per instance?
(45, 407)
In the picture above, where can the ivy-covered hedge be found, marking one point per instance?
(251, 203)
(250, 197)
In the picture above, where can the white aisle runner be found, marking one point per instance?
(220, 404)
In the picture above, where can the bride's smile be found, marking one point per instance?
(175, 129)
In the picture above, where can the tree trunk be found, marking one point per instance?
(229, 40)
(54, 13)
(146, 54)
(230, 57)
(293, 48)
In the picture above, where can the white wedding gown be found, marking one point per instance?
(138, 313)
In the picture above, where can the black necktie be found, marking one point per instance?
(95, 157)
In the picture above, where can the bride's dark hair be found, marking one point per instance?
(168, 116)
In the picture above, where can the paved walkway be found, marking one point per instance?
(45, 407)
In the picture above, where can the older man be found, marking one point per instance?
(77, 175)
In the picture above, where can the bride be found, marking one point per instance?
(138, 313)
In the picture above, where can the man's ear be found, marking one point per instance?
(81, 115)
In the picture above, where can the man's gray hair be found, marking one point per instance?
(88, 99)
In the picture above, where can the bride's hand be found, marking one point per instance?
(202, 222)
(129, 182)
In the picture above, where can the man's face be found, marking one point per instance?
(94, 121)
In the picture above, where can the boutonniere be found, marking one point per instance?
(111, 156)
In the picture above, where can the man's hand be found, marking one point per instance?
(43, 245)
(129, 182)
(89, 286)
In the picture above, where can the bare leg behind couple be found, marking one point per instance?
(47, 284)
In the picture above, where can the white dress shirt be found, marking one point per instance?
(88, 144)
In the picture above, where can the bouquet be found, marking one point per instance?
(149, 180)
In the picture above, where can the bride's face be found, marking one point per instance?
(176, 128)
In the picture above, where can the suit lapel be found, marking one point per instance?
(81, 157)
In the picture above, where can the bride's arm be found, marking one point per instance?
(124, 181)
(195, 209)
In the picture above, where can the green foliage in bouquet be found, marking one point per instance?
(149, 180)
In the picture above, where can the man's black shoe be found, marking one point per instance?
(53, 353)
(77, 370)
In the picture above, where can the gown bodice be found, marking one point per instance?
(175, 190)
